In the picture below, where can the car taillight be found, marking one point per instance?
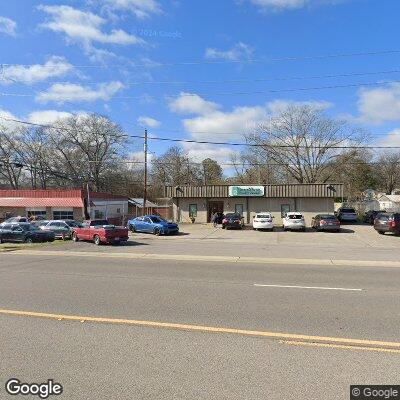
(393, 224)
(323, 222)
(237, 221)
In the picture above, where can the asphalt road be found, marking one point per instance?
(101, 361)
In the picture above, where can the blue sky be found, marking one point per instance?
(191, 69)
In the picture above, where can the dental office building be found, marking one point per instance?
(200, 202)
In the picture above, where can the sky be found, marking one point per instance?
(202, 70)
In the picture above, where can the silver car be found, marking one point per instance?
(61, 229)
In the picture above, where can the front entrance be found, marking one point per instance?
(213, 207)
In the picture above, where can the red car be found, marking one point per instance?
(100, 231)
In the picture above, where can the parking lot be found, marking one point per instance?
(353, 242)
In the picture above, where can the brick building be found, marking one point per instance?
(75, 204)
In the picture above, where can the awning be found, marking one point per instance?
(41, 202)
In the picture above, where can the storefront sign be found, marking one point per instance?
(246, 191)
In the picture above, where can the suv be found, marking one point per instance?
(387, 222)
(294, 221)
(346, 214)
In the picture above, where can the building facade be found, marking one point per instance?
(58, 204)
(200, 202)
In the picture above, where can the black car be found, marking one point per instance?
(232, 220)
(325, 222)
(23, 232)
(387, 222)
(369, 216)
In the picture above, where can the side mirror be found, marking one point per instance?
(253, 216)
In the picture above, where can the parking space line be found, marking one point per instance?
(309, 287)
(289, 337)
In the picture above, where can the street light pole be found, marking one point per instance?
(145, 174)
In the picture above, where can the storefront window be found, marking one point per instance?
(192, 210)
(60, 215)
(239, 209)
(37, 213)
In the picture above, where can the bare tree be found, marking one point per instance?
(388, 171)
(304, 142)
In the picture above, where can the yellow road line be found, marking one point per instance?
(338, 346)
(211, 329)
(201, 258)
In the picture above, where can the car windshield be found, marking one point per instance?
(263, 216)
(348, 210)
(295, 216)
(100, 222)
(332, 217)
(156, 219)
(232, 216)
(29, 227)
(73, 224)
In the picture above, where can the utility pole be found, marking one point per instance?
(145, 174)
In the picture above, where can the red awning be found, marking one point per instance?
(41, 202)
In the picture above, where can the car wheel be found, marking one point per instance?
(28, 240)
(1, 240)
(381, 232)
(75, 237)
(63, 237)
(97, 240)
(157, 231)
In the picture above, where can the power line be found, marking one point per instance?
(219, 93)
(211, 62)
(177, 140)
(225, 81)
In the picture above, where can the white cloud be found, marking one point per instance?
(277, 106)
(239, 51)
(54, 67)
(8, 26)
(392, 139)
(7, 124)
(47, 116)
(189, 103)
(84, 27)
(379, 105)
(149, 122)
(280, 5)
(229, 125)
(140, 8)
(64, 92)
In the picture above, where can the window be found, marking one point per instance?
(118, 211)
(192, 210)
(63, 215)
(37, 213)
(285, 208)
(98, 214)
(239, 209)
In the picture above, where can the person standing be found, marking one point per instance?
(214, 219)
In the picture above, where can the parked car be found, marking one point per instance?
(325, 222)
(153, 224)
(17, 219)
(24, 232)
(263, 220)
(233, 220)
(39, 224)
(99, 231)
(369, 216)
(61, 229)
(387, 222)
(294, 221)
(346, 214)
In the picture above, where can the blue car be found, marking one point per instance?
(153, 224)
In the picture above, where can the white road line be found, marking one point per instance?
(309, 287)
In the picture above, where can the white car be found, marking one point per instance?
(263, 220)
(294, 221)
